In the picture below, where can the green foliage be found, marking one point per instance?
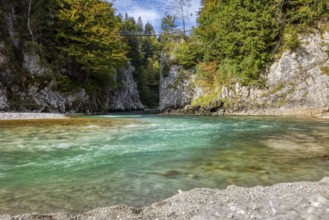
(243, 36)
(89, 36)
(81, 40)
(168, 23)
(304, 12)
(277, 88)
(65, 84)
(188, 52)
(325, 70)
(148, 81)
(204, 100)
(207, 71)
(1, 20)
(236, 40)
(143, 52)
(290, 38)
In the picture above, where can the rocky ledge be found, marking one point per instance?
(300, 200)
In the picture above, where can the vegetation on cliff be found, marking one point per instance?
(79, 39)
(88, 35)
(82, 41)
(236, 40)
(144, 53)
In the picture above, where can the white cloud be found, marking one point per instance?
(151, 16)
(154, 10)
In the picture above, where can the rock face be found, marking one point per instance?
(41, 94)
(296, 84)
(126, 97)
(174, 93)
(28, 83)
(36, 89)
(3, 99)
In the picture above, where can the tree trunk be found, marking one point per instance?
(29, 21)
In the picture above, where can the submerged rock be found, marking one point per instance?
(171, 173)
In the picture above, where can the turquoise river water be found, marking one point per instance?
(79, 164)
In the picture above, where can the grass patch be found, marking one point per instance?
(204, 100)
(325, 70)
(277, 88)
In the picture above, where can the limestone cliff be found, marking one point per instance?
(37, 89)
(176, 89)
(28, 82)
(297, 83)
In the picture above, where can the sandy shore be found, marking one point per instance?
(30, 116)
(300, 200)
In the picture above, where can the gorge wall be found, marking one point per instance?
(38, 91)
(297, 83)
(28, 82)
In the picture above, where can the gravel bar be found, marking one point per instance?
(30, 116)
(300, 200)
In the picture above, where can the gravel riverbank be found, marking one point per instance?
(29, 116)
(300, 200)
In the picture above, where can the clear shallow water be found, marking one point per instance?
(80, 164)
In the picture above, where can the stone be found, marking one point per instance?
(127, 97)
(225, 92)
(3, 58)
(32, 63)
(300, 200)
(214, 106)
(175, 91)
(3, 99)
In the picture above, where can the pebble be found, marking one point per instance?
(29, 116)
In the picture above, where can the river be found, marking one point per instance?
(83, 163)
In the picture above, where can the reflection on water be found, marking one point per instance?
(82, 163)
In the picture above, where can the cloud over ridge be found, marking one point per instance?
(153, 10)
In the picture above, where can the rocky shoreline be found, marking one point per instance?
(300, 200)
(30, 116)
(213, 110)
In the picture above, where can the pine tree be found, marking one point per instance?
(168, 23)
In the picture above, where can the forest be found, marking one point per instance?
(234, 41)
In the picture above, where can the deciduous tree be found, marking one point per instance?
(90, 36)
(181, 9)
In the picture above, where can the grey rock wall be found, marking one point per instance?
(32, 63)
(28, 83)
(3, 98)
(296, 82)
(176, 89)
(295, 85)
(126, 97)
(38, 90)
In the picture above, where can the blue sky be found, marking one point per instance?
(153, 10)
